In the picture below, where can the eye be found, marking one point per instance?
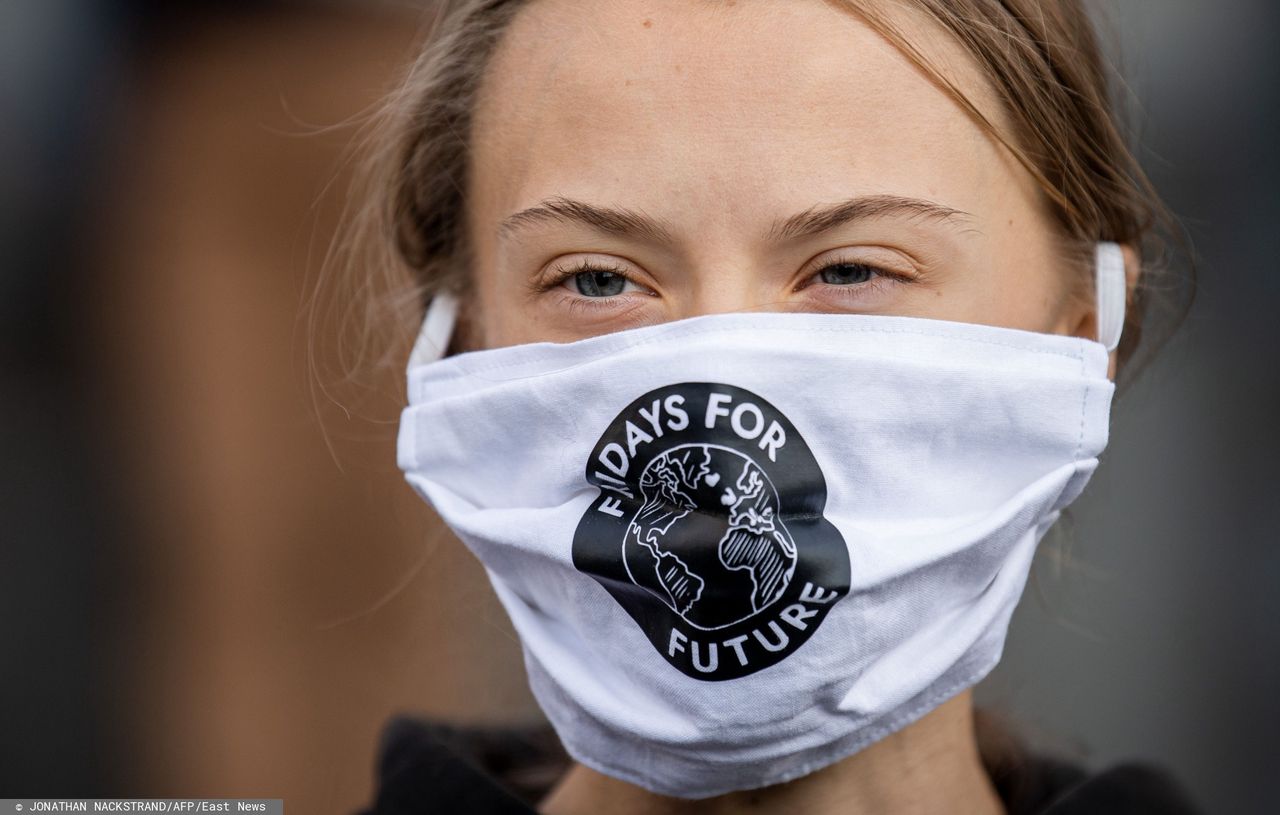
(846, 274)
(599, 283)
(595, 279)
(852, 282)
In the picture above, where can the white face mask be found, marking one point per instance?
(739, 547)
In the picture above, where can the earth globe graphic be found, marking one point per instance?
(707, 539)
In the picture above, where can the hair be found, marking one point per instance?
(405, 236)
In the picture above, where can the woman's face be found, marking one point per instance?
(637, 162)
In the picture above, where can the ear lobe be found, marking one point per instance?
(1086, 322)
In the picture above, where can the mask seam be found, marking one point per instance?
(1076, 355)
(1084, 413)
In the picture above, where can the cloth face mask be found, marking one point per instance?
(739, 547)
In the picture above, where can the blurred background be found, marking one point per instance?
(213, 581)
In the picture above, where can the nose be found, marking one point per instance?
(723, 289)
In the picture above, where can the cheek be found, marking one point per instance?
(502, 316)
(1024, 281)
(996, 286)
(1037, 290)
(500, 322)
(1028, 296)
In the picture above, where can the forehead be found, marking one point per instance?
(703, 110)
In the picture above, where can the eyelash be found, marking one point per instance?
(579, 301)
(880, 275)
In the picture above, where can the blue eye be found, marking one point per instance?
(599, 283)
(845, 274)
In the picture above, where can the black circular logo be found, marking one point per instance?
(709, 531)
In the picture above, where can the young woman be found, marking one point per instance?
(764, 343)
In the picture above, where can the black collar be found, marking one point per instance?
(426, 767)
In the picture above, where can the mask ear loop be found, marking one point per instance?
(437, 328)
(1111, 290)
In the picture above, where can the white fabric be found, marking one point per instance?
(902, 469)
(437, 327)
(1111, 293)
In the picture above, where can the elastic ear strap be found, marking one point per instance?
(437, 327)
(1111, 291)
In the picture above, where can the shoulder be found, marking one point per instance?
(1041, 785)
(1125, 788)
(425, 766)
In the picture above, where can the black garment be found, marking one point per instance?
(426, 768)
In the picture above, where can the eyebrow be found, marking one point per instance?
(611, 220)
(817, 219)
(824, 217)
